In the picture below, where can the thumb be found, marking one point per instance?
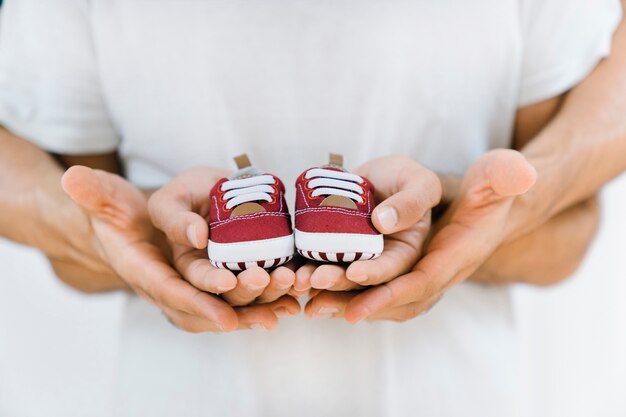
(174, 216)
(83, 186)
(417, 193)
(496, 176)
(104, 194)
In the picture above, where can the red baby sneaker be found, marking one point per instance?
(249, 222)
(333, 215)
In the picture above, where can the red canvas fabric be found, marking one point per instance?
(312, 218)
(274, 222)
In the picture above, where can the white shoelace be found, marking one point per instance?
(331, 182)
(245, 190)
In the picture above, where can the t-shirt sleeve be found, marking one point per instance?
(563, 42)
(50, 91)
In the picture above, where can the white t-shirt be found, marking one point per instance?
(173, 84)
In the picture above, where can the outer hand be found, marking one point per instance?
(407, 192)
(179, 209)
(124, 236)
(471, 230)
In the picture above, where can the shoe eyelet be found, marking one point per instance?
(223, 202)
(310, 194)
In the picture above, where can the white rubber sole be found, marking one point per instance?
(268, 253)
(338, 247)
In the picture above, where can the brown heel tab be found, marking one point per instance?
(242, 161)
(335, 159)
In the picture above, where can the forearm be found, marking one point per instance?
(582, 148)
(30, 191)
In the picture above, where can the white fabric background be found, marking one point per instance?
(57, 348)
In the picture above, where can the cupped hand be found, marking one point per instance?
(406, 193)
(470, 231)
(179, 209)
(125, 238)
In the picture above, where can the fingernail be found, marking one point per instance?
(321, 283)
(388, 217)
(252, 287)
(282, 312)
(362, 313)
(191, 235)
(358, 278)
(258, 326)
(325, 312)
(221, 290)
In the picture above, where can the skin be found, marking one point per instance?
(99, 231)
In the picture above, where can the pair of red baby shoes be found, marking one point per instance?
(250, 224)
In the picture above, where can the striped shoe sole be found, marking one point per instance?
(337, 256)
(240, 266)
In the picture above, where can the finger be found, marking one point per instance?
(402, 250)
(409, 191)
(406, 312)
(265, 316)
(313, 292)
(297, 294)
(190, 323)
(145, 268)
(195, 267)
(104, 194)
(257, 317)
(498, 174)
(303, 277)
(285, 306)
(251, 284)
(328, 304)
(254, 317)
(84, 187)
(178, 208)
(281, 281)
(331, 277)
(171, 211)
(429, 278)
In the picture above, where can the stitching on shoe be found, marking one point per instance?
(337, 210)
(303, 196)
(246, 217)
(217, 208)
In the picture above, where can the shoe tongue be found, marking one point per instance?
(334, 167)
(247, 172)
